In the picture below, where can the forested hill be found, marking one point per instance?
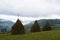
(41, 22)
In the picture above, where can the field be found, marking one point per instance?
(48, 35)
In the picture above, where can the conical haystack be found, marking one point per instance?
(18, 28)
(46, 27)
(35, 27)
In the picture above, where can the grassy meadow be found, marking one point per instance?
(48, 35)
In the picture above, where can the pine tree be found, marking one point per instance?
(46, 27)
(17, 28)
(35, 27)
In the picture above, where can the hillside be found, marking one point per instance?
(41, 22)
(8, 24)
(48, 35)
(5, 24)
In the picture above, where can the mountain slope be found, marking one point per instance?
(41, 22)
(8, 24)
(5, 24)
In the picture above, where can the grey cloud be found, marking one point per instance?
(32, 8)
(31, 14)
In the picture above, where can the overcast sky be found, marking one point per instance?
(33, 9)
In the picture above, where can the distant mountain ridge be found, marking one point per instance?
(41, 22)
(8, 24)
(5, 24)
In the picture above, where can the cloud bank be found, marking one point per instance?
(30, 8)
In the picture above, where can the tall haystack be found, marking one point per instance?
(46, 27)
(35, 27)
(18, 28)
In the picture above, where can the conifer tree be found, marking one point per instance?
(46, 27)
(18, 28)
(35, 27)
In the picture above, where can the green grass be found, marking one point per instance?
(48, 35)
